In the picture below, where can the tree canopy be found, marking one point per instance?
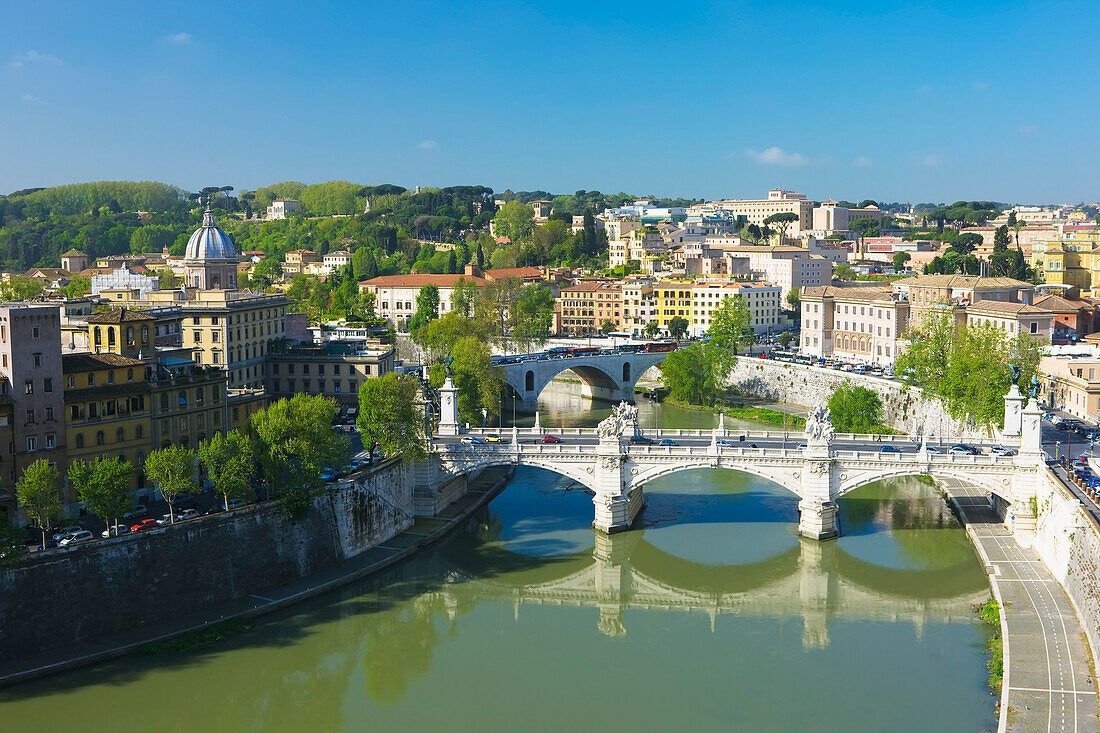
(856, 409)
(391, 418)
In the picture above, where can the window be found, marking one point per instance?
(164, 401)
(37, 360)
(183, 397)
(139, 431)
(93, 410)
(100, 438)
(34, 332)
(72, 382)
(49, 414)
(91, 380)
(80, 440)
(111, 377)
(32, 440)
(28, 387)
(129, 375)
(111, 407)
(47, 384)
(336, 386)
(197, 335)
(120, 435)
(1034, 327)
(215, 336)
(30, 416)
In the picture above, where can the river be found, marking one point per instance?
(711, 615)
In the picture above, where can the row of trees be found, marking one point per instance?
(289, 446)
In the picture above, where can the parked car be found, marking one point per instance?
(62, 533)
(800, 446)
(668, 441)
(932, 449)
(50, 544)
(144, 525)
(890, 449)
(236, 503)
(1000, 450)
(472, 440)
(71, 539)
(187, 514)
(139, 510)
(551, 439)
(167, 519)
(112, 532)
(642, 439)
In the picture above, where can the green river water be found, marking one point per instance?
(711, 615)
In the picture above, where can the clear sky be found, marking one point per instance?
(925, 101)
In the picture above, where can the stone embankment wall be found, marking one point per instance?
(1068, 541)
(905, 408)
(88, 592)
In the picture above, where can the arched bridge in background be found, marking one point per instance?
(604, 376)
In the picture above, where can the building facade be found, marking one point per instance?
(581, 309)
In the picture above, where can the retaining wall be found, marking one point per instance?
(87, 592)
(905, 408)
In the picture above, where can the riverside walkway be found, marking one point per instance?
(1049, 683)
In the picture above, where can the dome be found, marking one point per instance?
(209, 242)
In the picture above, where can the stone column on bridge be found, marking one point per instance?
(1020, 517)
(448, 409)
(615, 508)
(817, 512)
(1014, 409)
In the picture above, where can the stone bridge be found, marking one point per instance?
(819, 466)
(815, 581)
(610, 377)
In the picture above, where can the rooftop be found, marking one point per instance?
(122, 315)
(418, 280)
(86, 362)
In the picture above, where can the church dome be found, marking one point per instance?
(209, 242)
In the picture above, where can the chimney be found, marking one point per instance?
(472, 270)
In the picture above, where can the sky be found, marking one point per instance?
(917, 102)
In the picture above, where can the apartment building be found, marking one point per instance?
(1070, 259)
(334, 369)
(1071, 384)
(761, 299)
(857, 321)
(639, 245)
(298, 261)
(785, 266)
(928, 292)
(30, 360)
(395, 295)
(673, 300)
(778, 202)
(581, 309)
(282, 208)
(639, 305)
(334, 261)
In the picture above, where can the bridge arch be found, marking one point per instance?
(997, 483)
(784, 476)
(577, 472)
(609, 377)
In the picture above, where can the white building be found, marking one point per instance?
(395, 295)
(282, 208)
(761, 298)
(125, 279)
(862, 323)
(787, 267)
(755, 212)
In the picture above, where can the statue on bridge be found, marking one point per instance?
(622, 416)
(819, 425)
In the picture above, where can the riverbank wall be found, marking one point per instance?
(82, 594)
(904, 408)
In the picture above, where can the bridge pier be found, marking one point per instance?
(817, 520)
(817, 512)
(616, 506)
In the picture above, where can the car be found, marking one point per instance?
(1000, 450)
(492, 438)
(962, 449)
(137, 511)
(551, 439)
(187, 514)
(71, 539)
(236, 503)
(50, 544)
(144, 525)
(642, 439)
(62, 533)
(113, 532)
(167, 519)
(890, 449)
(932, 449)
(472, 440)
(725, 443)
(801, 446)
(668, 441)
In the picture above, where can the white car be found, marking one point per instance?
(74, 537)
(110, 531)
(1000, 450)
(167, 519)
(63, 533)
(187, 514)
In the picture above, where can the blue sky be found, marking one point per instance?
(898, 102)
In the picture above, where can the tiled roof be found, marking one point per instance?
(86, 362)
(121, 315)
(1001, 306)
(521, 272)
(961, 281)
(419, 281)
(73, 253)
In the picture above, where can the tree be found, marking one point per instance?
(966, 242)
(608, 326)
(900, 258)
(794, 300)
(1001, 239)
(464, 296)
(532, 315)
(267, 271)
(173, 471)
(295, 442)
(1012, 219)
(21, 288)
(514, 220)
(104, 487)
(730, 325)
(855, 409)
(77, 287)
(38, 492)
(168, 279)
(844, 271)
(786, 338)
(784, 219)
(697, 374)
(427, 309)
(652, 329)
(229, 464)
(677, 327)
(391, 418)
(865, 226)
(479, 382)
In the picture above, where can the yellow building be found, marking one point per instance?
(107, 410)
(673, 298)
(1072, 259)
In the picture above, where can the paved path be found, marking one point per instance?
(1048, 680)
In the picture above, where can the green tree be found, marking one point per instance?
(855, 409)
(514, 220)
(38, 492)
(464, 297)
(267, 272)
(786, 338)
(21, 288)
(295, 442)
(532, 315)
(784, 219)
(843, 271)
(900, 258)
(730, 325)
(104, 487)
(607, 326)
(652, 329)
(1001, 239)
(794, 300)
(427, 309)
(230, 465)
(865, 226)
(168, 279)
(391, 418)
(77, 287)
(173, 471)
(697, 374)
(677, 327)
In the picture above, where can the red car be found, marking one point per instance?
(551, 439)
(144, 525)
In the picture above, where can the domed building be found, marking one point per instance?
(210, 262)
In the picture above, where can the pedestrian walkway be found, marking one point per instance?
(1048, 677)
(422, 533)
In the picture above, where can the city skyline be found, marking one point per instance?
(905, 104)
